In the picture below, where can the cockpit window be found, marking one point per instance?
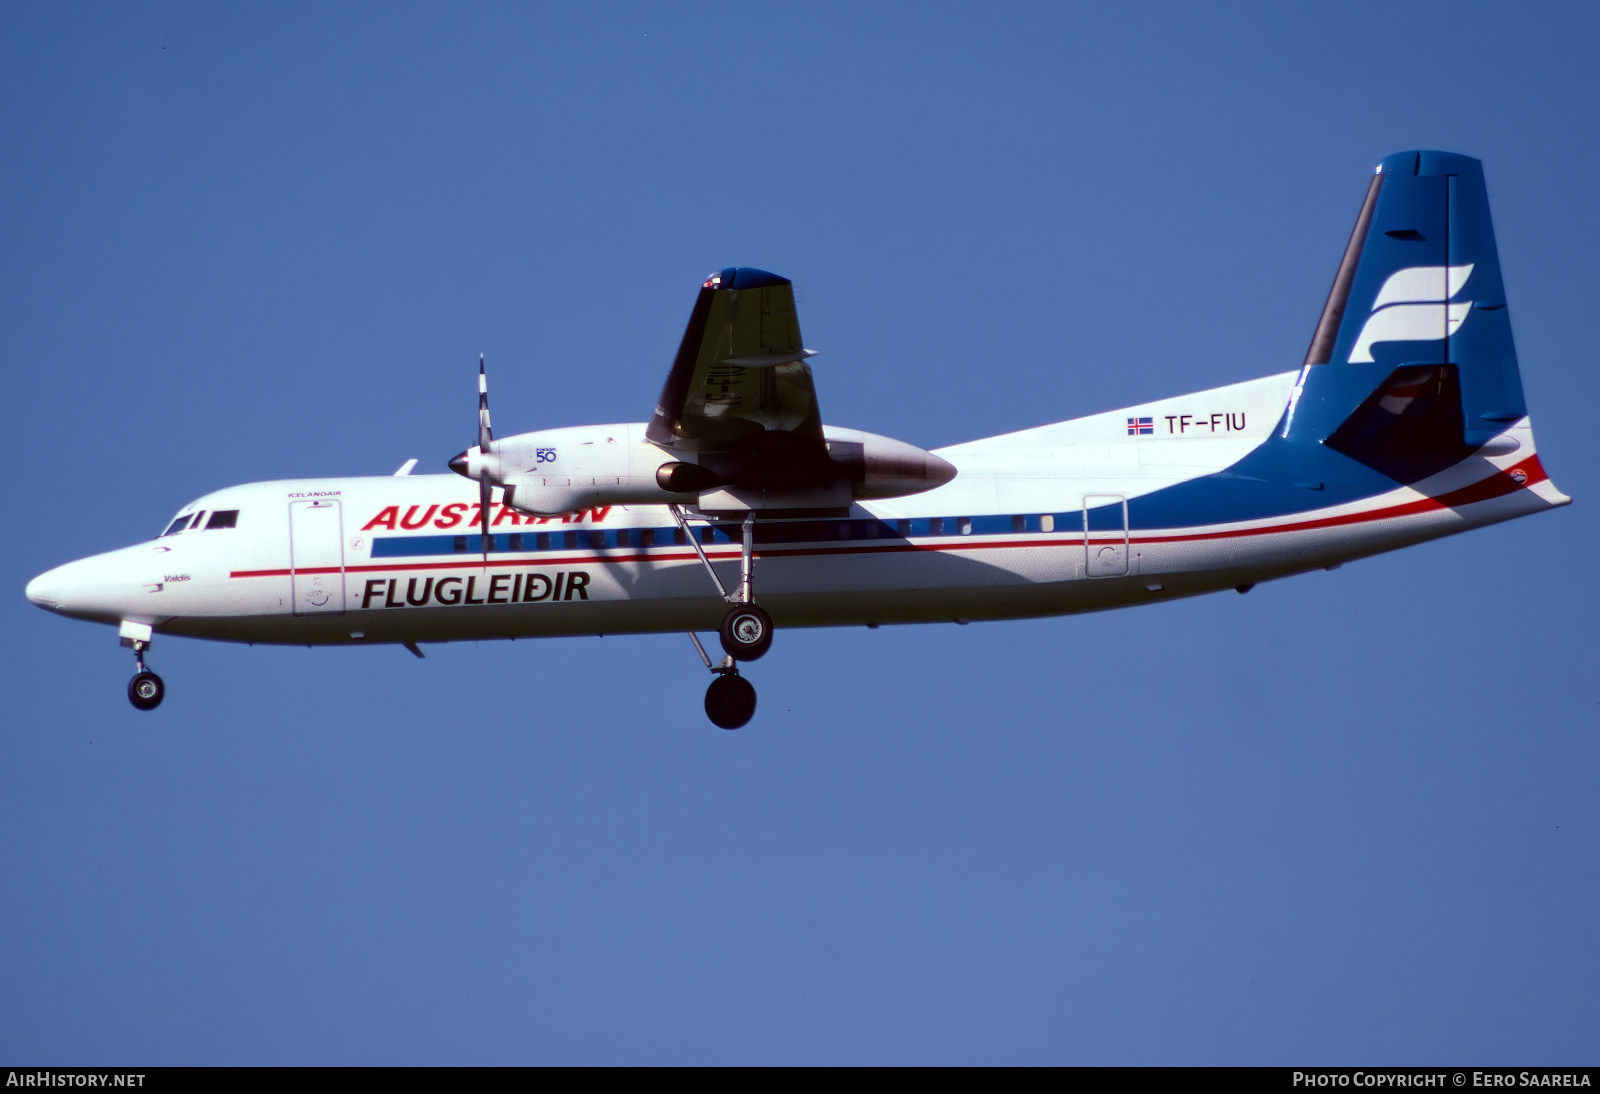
(178, 525)
(223, 518)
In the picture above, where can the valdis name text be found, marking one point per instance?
(1448, 1078)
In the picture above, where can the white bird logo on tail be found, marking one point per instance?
(1414, 306)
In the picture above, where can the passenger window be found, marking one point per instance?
(964, 525)
(936, 526)
(904, 527)
(461, 543)
(844, 531)
(542, 540)
(708, 534)
(622, 537)
(1019, 524)
(516, 541)
(1047, 523)
(647, 537)
(178, 525)
(597, 540)
(570, 539)
(679, 536)
(223, 518)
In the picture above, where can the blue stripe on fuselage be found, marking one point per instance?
(844, 529)
(1278, 478)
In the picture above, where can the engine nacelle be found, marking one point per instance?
(559, 471)
(581, 467)
(882, 467)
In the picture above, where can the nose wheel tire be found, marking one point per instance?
(145, 690)
(730, 701)
(746, 632)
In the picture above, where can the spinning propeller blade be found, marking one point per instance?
(485, 435)
(461, 463)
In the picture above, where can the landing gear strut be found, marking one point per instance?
(145, 690)
(746, 633)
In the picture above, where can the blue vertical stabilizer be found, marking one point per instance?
(1411, 367)
(1420, 285)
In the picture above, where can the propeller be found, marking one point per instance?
(462, 464)
(485, 435)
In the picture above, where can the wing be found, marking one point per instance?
(740, 375)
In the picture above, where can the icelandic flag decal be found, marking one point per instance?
(1141, 427)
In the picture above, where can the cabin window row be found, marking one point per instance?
(814, 531)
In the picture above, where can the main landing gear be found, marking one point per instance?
(746, 634)
(145, 690)
(731, 699)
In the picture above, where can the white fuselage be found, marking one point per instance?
(397, 558)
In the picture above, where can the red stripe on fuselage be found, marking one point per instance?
(1495, 486)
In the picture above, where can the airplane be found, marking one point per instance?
(1405, 423)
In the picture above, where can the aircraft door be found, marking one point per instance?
(316, 556)
(1105, 535)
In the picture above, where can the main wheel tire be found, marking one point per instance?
(746, 632)
(145, 690)
(730, 701)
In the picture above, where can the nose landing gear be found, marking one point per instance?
(145, 690)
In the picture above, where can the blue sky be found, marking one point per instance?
(1347, 818)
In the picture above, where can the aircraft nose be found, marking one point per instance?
(99, 587)
(48, 590)
(458, 464)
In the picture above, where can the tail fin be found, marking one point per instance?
(1411, 370)
(1412, 365)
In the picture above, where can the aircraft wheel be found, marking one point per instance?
(145, 690)
(730, 701)
(746, 632)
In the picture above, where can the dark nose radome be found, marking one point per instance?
(458, 464)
